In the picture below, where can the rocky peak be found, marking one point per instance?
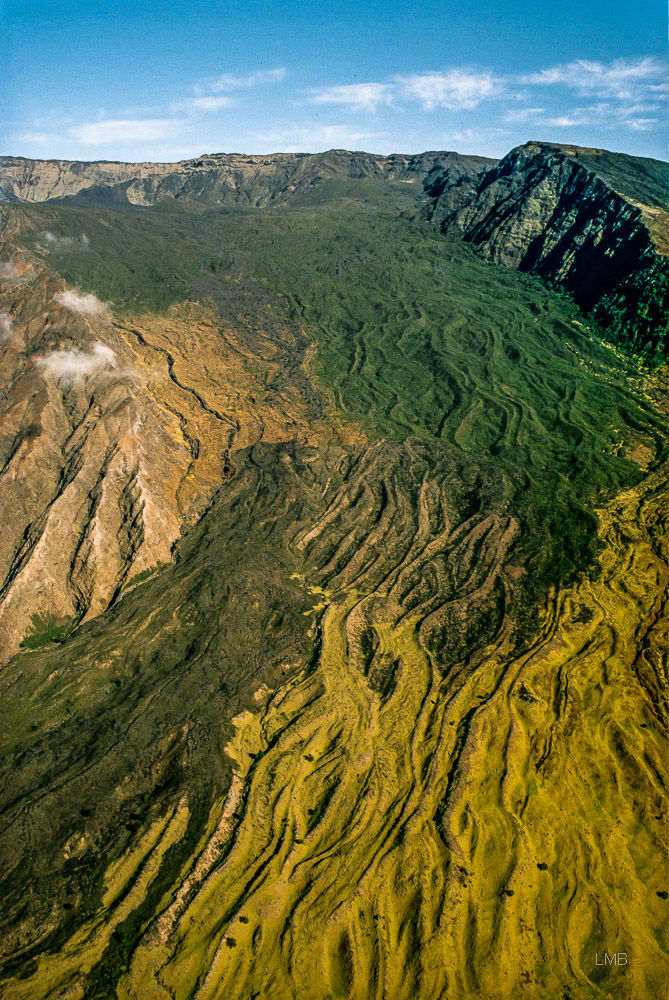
(543, 208)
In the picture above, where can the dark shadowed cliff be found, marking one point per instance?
(594, 223)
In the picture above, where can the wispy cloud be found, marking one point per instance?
(590, 95)
(64, 243)
(603, 114)
(519, 116)
(8, 270)
(14, 273)
(36, 138)
(623, 79)
(75, 365)
(642, 124)
(315, 138)
(205, 103)
(359, 96)
(125, 130)
(228, 81)
(455, 89)
(80, 302)
(6, 332)
(628, 93)
(489, 140)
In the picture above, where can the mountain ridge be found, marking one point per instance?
(555, 211)
(221, 178)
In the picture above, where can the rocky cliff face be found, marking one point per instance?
(226, 179)
(543, 210)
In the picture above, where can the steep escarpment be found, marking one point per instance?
(568, 215)
(643, 182)
(114, 434)
(593, 222)
(541, 210)
(223, 179)
(120, 423)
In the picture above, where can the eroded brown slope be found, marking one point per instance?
(106, 456)
(329, 749)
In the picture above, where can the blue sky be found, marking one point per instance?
(134, 80)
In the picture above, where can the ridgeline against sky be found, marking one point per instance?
(90, 81)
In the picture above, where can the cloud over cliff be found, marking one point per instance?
(75, 365)
(5, 327)
(80, 302)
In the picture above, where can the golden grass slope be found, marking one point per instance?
(489, 834)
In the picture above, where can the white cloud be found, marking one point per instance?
(642, 124)
(88, 305)
(75, 365)
(126, 130)
(206, 103)
(491, 141)
(623, 79)
(58, 243)
(603, 114)
(9, 271)
(361, 96)
(228, 81)
(521, 115)
(455, 89)
(314, 139)
(6, 332)
(38, 138)
(564, 121)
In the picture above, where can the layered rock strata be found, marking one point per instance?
(220, 178)
(541, 209)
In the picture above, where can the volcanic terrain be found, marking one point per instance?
(333, 577)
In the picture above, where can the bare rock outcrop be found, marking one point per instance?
(223, 179)
(544, 209)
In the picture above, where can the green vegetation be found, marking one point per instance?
(415, 336)
(142, 575)
(155, 679)
(47, 629)
(636, 315)
(403, 738)
(142, 258)
(637, 178)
